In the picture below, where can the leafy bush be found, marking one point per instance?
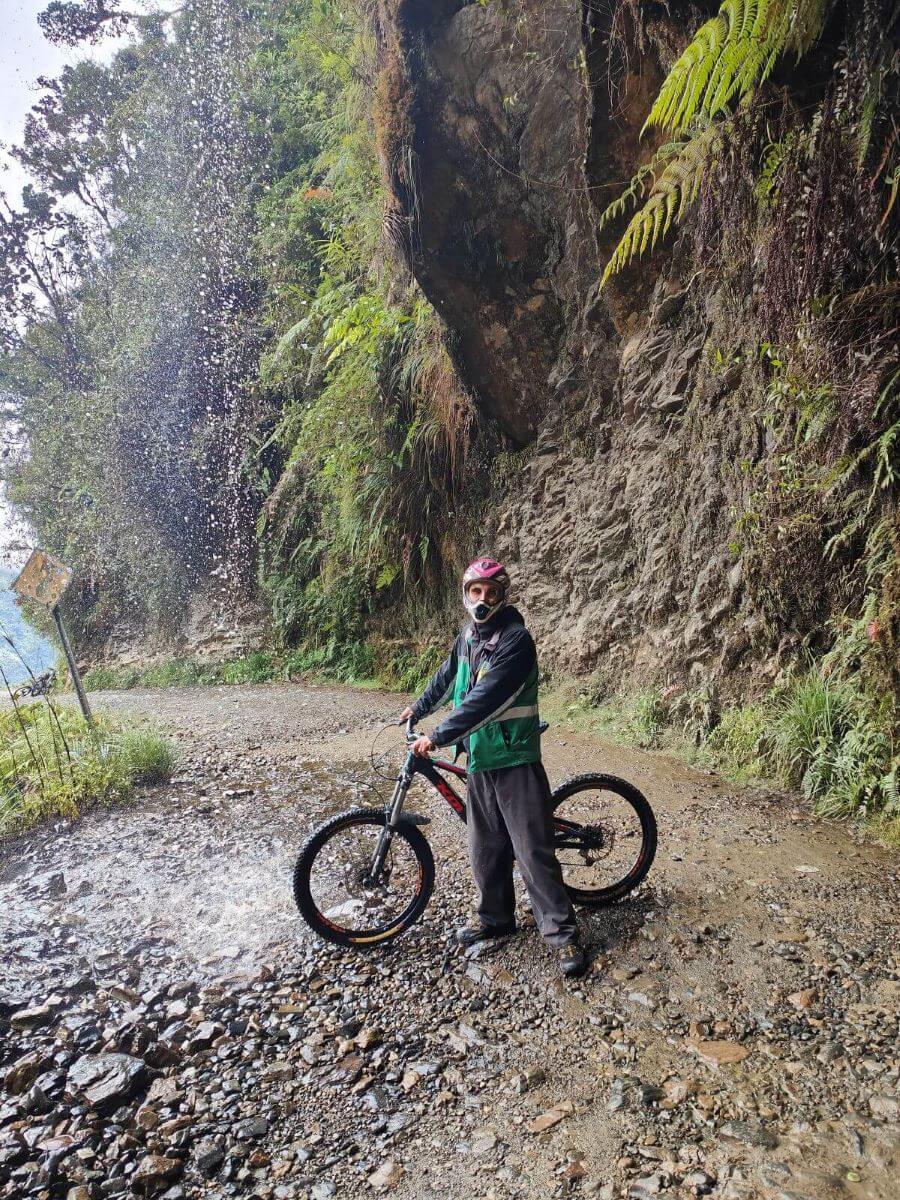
(52, 764)
(258, 667)
(738, 743)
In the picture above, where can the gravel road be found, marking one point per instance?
(169, 1027)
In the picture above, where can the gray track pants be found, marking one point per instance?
(509, 813)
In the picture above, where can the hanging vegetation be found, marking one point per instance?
(724, 65)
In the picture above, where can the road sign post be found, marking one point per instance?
(73, 668)
(44, 579)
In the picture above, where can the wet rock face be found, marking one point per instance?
(495, 117)
(619, 535)
(501, 146)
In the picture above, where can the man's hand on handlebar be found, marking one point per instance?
(422, 745)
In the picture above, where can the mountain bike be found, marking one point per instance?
(366, 875)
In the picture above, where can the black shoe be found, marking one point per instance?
(469, 935)
(572, 959)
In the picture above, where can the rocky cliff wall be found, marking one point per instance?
(505, 130)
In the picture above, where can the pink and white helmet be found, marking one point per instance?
(484, 570)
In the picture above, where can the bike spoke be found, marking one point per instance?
(340, 882)
(598, 839)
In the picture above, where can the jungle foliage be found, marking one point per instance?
(128, 314)
(794, 176)
(717, 86)
(223, 370)
(219, 371)
(373, 438)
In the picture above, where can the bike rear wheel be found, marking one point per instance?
(604, 836)
(332, 889)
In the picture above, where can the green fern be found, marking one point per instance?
(672, 191)
(732, 54)
(637, 188)
(728, 58)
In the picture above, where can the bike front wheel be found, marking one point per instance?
(332, 885)
(604, 837)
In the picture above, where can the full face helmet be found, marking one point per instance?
(485, 570)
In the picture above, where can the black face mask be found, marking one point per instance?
(481, 611)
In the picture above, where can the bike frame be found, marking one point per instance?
(417, 764)
(413, 765)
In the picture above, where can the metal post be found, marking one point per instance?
(70, 658)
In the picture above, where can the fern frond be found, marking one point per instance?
(732, 54)
(632, 194)
(807, 22)
(675, 189)
(641, 182)
(672, 109)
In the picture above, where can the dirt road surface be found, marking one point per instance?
(169, 1027)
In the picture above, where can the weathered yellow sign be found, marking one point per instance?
(43, 579)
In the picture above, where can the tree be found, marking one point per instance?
(67, 22)
(129, 319)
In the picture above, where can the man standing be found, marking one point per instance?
(491, 676)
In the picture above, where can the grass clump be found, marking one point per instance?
(736, 746)
(409, 669)
(258, 667)
(52, 764)
(104, 678)
(828, 738)
(819, 731)
(177, 673)
(638, 720)
(333, 660)
(823, 735)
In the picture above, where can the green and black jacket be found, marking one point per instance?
(491, 676)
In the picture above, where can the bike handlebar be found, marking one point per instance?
(411, 721)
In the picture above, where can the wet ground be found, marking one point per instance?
(170, 1027)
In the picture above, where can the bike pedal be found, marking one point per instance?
(415, 819)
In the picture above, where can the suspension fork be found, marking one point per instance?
(394, 811)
